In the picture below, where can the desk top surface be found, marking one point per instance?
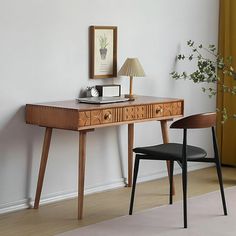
(74, 104)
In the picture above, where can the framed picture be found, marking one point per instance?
(103, 52)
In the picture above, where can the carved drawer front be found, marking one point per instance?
(177, 108)
(158, 110)
(140, 112)
(128, 113)
(96, 117)
(84, 118)
(167, 109)
(107, 116)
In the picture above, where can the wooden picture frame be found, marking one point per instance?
(103, 52)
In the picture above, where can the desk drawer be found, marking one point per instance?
(167, 109)
(102, 116)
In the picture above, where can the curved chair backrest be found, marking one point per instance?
(204, 120)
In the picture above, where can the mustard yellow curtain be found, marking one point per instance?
(227, 47)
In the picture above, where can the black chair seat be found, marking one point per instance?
(171, 151)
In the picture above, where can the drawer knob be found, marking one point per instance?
(107, 116)
(159, 110)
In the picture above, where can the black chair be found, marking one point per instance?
(181, 153)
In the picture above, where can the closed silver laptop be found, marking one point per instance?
(102, 100)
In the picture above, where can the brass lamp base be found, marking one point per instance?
(131, 97)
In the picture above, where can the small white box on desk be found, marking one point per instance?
(113, 90)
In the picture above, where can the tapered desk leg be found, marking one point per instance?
(44, 158)
(165, 137)
(82, 157)
(130, 152)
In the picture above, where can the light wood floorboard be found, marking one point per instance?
(62, 216)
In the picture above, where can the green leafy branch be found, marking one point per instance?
(210, 65)
(103, 41)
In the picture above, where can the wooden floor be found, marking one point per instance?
(61, 216)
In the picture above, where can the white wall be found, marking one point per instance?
(44, 57)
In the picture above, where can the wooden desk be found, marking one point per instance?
(71, 115)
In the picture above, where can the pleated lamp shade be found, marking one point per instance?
(132, 67)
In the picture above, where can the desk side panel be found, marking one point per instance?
(52, 117)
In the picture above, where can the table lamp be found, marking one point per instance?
(131, 68)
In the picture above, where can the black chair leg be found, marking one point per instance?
(136, 166)
(171, 182)
(218, 168)
(184, 180)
